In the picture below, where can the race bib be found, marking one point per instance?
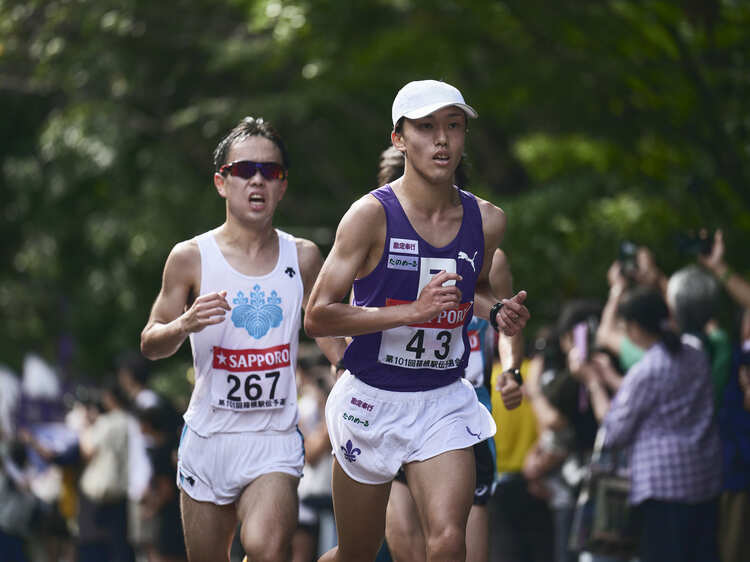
(475, 368)
(251, 379)
(437, 344)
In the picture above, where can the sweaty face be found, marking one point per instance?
(256, 197)
(434, 143)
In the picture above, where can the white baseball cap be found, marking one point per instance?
(422, 97)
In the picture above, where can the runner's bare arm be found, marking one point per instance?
(310, 262)
(513, 316)
(360, 232)
(510, 348)
(172, 319)
(493, 224)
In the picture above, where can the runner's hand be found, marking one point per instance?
(435, 298)
(206, 310)
(509, 390)
(513, 316)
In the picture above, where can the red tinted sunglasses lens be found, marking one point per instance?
(272, 170)
(245, 169)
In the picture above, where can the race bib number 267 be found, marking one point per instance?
(250, 379)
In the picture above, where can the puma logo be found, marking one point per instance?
(465, 256)
(477, 435)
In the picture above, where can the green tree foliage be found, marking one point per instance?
(599, 121)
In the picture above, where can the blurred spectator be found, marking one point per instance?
(521, 527)
(41, 393)
(161, 503)
(736, 286)
(664, 410)
(734, 426)
(692, 297)
(643, 271)
(18, 506)
(9, 398)
(102, 514)
(39, 416)
(567, 426)
(57, 446)
(314, 381)
(133, 371)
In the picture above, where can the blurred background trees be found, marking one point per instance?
(599, 121)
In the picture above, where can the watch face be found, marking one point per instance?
(516, 374)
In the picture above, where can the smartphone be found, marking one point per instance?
(581, 339)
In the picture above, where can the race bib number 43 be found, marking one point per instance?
(437, 344)
(251, 379)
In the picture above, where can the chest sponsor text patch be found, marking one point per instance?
(408, 263)
(404, 246)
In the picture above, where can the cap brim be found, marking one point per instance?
(426, 110)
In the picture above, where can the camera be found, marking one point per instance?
(627, 259)
(695, 243)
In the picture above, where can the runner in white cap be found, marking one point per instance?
(418, 253)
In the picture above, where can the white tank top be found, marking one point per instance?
(245, 365)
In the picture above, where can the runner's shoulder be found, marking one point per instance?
(184, 255)
(493, 218)
(364, 219)
(308, 255)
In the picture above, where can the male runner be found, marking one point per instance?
(403, 531)
(236, 292)
(418, 252)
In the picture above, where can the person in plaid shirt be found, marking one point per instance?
(664, 410)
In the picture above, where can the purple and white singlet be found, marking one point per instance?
(433, 353)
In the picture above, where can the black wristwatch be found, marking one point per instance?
(493, 315)
(516, 374)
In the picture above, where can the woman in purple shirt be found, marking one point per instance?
(664, 410)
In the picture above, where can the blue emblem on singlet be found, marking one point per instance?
(257, 314)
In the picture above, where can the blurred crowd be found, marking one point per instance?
(650, 387)
(87, 470)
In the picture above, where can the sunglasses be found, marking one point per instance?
(246, 169)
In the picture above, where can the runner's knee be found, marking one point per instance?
(266, 549)
(449, 543)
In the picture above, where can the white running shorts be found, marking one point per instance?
(373, 432)
(218, 468)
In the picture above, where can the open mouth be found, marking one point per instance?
(441, 157)
(257, 201)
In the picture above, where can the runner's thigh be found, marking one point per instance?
(209, 529)
(360, 515)
(443, 489)
(268, 509)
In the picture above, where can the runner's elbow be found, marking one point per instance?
(148, 349)
(313, 327)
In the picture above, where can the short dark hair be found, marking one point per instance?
(249, 127)
(646, 307)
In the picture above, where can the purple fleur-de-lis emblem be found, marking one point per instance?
(350, 452)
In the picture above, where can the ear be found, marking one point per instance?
(284, 185)
(220, 184)
(397, 139)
